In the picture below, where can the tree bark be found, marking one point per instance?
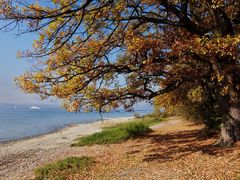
(230, 127)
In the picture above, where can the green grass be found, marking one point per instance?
(119, 132)
(151, 119)
(62, 169)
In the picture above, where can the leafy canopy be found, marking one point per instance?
(101, 54)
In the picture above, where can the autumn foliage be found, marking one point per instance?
(102, 54)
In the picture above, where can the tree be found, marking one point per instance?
(107, 53)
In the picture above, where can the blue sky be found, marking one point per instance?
(11, 67)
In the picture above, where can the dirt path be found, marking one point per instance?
(175, 150)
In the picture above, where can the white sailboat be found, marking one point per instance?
(35, 107)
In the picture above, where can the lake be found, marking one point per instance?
(18, 122)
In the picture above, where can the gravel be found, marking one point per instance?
(20, 158)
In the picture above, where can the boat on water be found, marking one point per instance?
(35, 107)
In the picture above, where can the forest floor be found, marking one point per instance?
(176, 149)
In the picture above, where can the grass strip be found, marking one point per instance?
(119, 132)
(62, 169)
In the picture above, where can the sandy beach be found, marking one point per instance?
(19, 158)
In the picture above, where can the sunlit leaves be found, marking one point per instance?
(106, 54)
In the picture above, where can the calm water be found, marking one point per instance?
(24, 122)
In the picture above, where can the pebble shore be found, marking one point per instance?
(18, 159)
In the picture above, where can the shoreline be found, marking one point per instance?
(59, 129)
(19, 158)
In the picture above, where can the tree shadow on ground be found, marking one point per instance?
(174, 146)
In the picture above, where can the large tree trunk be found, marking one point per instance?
(230, 127)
